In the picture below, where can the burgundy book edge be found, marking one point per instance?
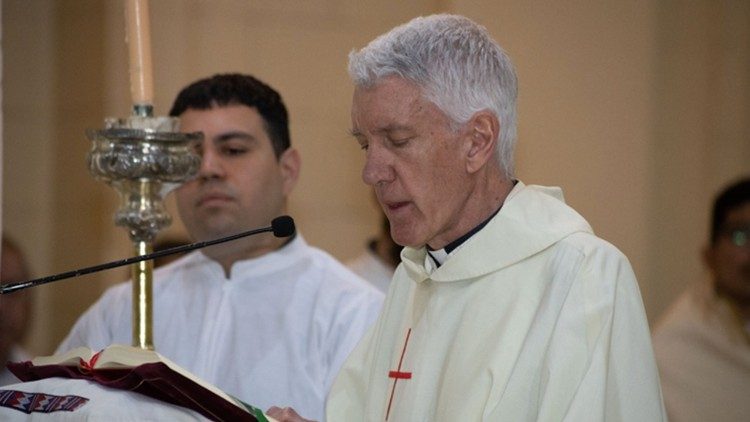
(155, 380)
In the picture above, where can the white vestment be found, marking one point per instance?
(372, 268)
(275, 333)
(704, 359)
(532, 318)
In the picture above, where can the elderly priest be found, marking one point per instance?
(506, 306)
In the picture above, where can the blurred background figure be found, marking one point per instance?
(702, 343)
(380, 257)
(15, 310)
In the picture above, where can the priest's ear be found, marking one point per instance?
(289, 163)
(482, 132)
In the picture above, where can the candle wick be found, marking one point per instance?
(143, 110)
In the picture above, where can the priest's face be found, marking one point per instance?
(413, 162)
(241, 184)
(729, 257)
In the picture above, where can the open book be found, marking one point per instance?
(142, 371)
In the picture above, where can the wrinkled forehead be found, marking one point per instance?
(389, 103)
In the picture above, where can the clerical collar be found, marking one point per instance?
(439, 256)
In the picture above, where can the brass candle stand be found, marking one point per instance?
(144, 158)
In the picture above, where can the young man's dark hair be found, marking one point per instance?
(234, 88)
(730, 198)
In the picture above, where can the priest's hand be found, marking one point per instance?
(286, 414)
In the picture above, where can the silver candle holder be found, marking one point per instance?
(143, 158)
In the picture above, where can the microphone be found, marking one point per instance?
(280, 227)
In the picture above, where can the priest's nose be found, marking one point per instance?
(378, 167)
(211, 164)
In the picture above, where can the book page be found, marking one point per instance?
(70, 358)
(121, 356)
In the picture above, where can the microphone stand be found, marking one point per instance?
(281, 227)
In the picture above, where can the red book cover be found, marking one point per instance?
(162, 380)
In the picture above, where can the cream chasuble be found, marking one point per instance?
(532, 318)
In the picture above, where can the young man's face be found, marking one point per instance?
(241, 184)
(413, 162)
(729, 258)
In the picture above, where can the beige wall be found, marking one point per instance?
(637, 109)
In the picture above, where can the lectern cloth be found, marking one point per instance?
(99, 404)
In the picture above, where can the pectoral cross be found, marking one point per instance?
(398, 374)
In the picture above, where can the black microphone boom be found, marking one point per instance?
(280, 227)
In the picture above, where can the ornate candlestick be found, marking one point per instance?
(143, 158)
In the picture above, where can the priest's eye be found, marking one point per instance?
(234, 151)
(399, 142)
(363, 144)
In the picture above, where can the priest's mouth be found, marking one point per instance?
(396, 206)
(215, 199)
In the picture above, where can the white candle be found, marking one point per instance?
(139, 46)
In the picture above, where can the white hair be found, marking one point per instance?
(456, 64)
